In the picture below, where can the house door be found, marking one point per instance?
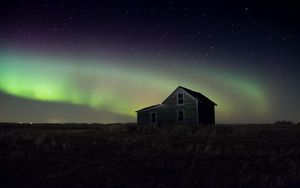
(153, 118)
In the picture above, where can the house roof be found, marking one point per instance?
(149, 107)
(196, 95)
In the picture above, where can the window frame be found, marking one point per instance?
(183, 115)
(182, 98)
(151, 122)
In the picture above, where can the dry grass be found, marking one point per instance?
(126, 156)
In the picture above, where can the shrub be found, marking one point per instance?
(283, 122)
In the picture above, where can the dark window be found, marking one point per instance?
(180, 98)
(153, 117)
(180, 115)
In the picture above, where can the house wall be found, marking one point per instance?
(206, 113)
(143, 117)
(170, 109)
(167, 113)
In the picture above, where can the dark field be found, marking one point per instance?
(123, 156)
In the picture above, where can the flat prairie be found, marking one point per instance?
(124, 155)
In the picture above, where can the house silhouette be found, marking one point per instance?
(182, 107)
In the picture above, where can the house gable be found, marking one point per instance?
(172, 98)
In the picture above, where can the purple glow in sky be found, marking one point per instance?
(87, 61)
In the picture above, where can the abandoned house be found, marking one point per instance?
(182, 107)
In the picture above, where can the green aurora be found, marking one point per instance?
(115, 86)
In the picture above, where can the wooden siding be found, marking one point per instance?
(167, 113)
(170, 109)
(195, 112)
(143, 117)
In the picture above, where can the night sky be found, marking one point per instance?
(99, 61)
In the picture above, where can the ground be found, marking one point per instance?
(125, 156)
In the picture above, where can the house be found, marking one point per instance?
(182, 107)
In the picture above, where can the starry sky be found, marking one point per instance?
(100, 61)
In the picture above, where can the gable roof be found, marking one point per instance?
(196, 95)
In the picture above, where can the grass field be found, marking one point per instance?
(124, 156)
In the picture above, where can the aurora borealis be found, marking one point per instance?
(93, 62)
